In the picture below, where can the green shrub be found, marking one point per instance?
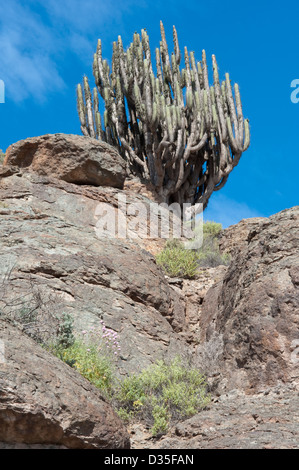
(211, 229)
(2, 156)
(209, 254)
(86, 360)
(65, 335)
(161, 419)
(92, 353)
(161, 394)
(176, 260)
(125, 415)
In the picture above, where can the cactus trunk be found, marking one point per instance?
(173, 129)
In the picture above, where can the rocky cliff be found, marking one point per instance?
(239, 324)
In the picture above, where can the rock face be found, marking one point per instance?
(249, 325)
(268, 420)
(50, 250)
(44, 402)
(238, 324)
(71, 158)
(50, 247)
(193, 293)
(248, 333)
(235, 238)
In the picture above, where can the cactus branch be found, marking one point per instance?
(173, 129)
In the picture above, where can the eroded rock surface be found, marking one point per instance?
(240, 324)
(193, 292)
(49, 245)
(249, 325)
(72, 158)
(268, 420)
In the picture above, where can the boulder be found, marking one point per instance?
(72, 158)
(45, 403)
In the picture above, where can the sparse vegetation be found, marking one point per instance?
(209, 254)
(178, 261)
(212, 229)
(65, 332)
(37, 314)
(93, 353)
(2, 156)
(161, 394)
(86, 359)
(33, 317)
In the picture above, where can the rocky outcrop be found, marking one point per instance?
(268, 420)
(53, 258)
(238, 324)
(235, 238)
(45, 403)
(50, 247)
(72, 158)
(246, 320)
(249, 325)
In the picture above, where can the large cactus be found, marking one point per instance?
(172, 128)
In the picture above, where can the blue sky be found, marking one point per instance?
(47, 47)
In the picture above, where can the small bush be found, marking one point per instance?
(161, 394)
(65, 333)
(86, 360)
(177, 261)
(161, 419)
(93, 353)
(2, 156)
(212, 229)
(125, 415)
(209, 254)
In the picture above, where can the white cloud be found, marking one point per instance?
(35, 36)
(26, 65)
(227, 211)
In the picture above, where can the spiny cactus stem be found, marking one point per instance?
(166, 127)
